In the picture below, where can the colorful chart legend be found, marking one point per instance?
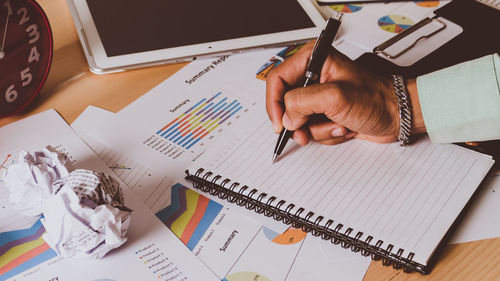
(23, 249)
(200, 120)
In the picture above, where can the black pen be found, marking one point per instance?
(313, 71)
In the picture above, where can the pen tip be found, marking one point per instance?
(275, 156)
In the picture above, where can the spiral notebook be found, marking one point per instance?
(381, 200)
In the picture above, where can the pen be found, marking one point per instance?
(313, 71)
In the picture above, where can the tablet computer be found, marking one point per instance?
(123, 34)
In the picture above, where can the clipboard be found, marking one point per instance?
(418, 41)
(404, 48)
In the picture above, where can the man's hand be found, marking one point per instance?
(348, 102)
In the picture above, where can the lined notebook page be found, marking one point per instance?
(407, 197)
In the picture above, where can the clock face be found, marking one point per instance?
(25, 53)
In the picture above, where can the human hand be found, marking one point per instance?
(348, 102)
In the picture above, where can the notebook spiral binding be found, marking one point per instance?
(216, 186)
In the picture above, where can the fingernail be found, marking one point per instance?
(350, 135)
(286, 121)
(276, 127)
(338, 132)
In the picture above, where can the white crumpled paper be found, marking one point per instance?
(85, 215)
(83, 211)
(30, 180)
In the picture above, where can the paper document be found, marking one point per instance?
(479, 222)
(151, 252)
(225, 240)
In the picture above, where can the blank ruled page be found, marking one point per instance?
(407, 197)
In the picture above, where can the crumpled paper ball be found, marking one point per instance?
(83, 211)
(30, 180)
(86, 215)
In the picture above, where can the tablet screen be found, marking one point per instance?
(132, 26)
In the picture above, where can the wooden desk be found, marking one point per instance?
(71, 87)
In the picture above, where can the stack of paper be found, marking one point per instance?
(176, 233)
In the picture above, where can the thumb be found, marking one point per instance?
(300, 103)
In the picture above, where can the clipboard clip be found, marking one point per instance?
(382, 48)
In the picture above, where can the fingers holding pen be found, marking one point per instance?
(322, 130)
(302, 103)
(288, 75)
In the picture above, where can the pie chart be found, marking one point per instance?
(427, 4)
(347, 8)
(395, 23)
(290, 237)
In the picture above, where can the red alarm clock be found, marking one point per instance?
(26, 47)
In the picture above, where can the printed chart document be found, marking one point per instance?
(152, 252)
(229, 243)
(179, 119)
(174, 124)
(150, 177)
(405, 197)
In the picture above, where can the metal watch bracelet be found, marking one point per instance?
(405, 115)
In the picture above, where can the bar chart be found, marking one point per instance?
(200, 120)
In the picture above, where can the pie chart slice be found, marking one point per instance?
(395, 23)
(427, 4)
(246, 276)
(347, 8)
(289, 237)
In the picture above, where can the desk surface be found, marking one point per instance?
(71, 87)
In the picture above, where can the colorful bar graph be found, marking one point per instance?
(199, 120)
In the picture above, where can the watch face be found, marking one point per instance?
(25, 53)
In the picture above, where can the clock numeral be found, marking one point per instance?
(26, 77)
(10, 94)
(8, 6)
(34, 55)
(34, 34)
(24, 16)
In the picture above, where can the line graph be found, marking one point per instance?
(5, 161)
(119, 167)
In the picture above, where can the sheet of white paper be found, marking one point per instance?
(245, 238)
(482, 220)
(150, 185)
(179, 119)
(343, 264)
(151, 252)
